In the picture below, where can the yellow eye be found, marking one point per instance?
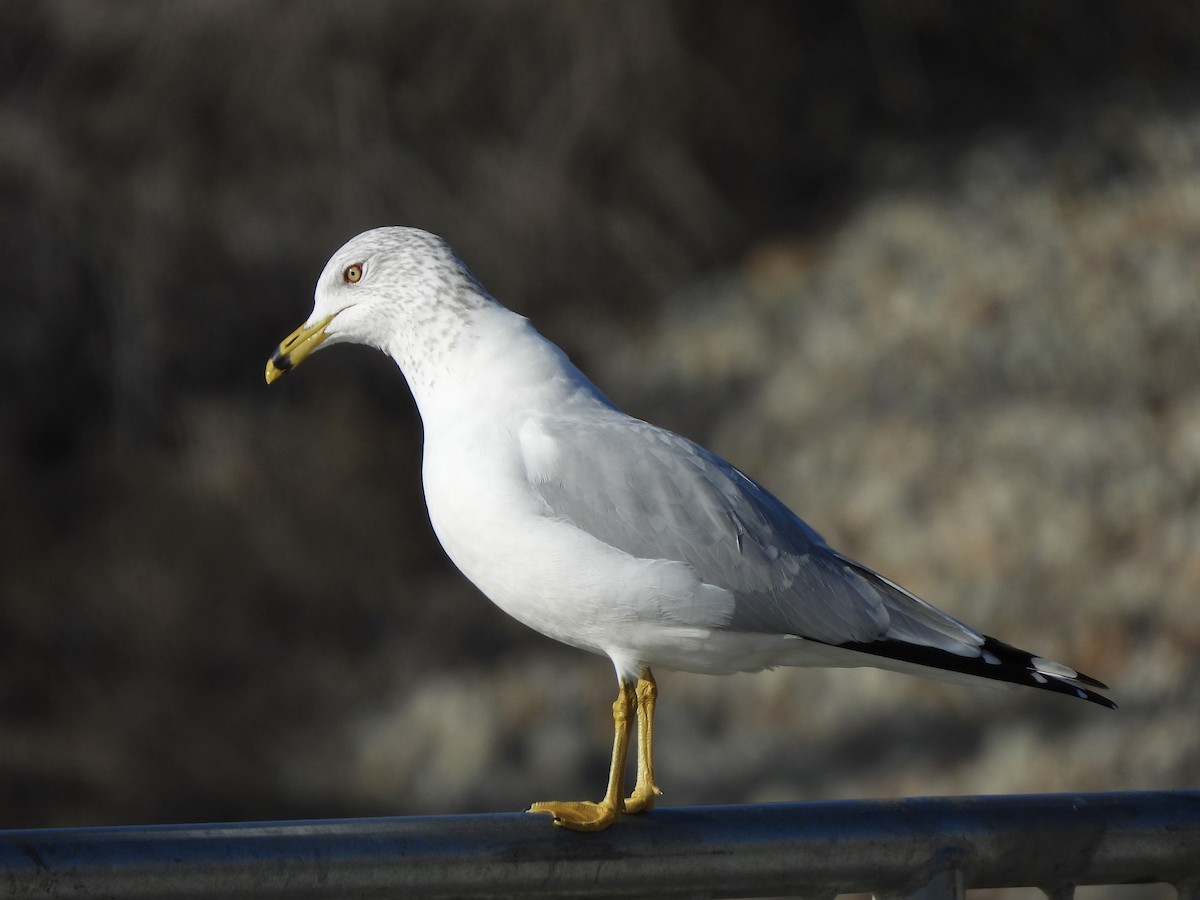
(352, 274)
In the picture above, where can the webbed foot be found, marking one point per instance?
(578, 815)
(642, 798)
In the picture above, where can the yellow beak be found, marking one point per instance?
(296, 347)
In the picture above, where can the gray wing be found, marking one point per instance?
(654, 494)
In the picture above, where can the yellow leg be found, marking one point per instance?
(644, 792)
(584, 815)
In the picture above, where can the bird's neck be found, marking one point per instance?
(491, 359)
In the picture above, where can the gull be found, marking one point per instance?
(608, 533)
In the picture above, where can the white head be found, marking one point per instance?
(401, 290)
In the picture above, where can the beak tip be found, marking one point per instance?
(296, 347)
(279, 363)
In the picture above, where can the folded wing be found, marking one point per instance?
(657, 495)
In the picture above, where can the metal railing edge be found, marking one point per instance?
(891, 847)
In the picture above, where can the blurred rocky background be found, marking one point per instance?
(929, 270)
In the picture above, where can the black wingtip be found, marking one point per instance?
(997, 661)
(1090, 681)
(1063, 687)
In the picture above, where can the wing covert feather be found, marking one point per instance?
(655, 494)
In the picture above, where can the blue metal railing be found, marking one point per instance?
(923, 847)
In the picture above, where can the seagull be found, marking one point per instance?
(611, 534)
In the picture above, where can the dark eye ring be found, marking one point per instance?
(353, 273)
